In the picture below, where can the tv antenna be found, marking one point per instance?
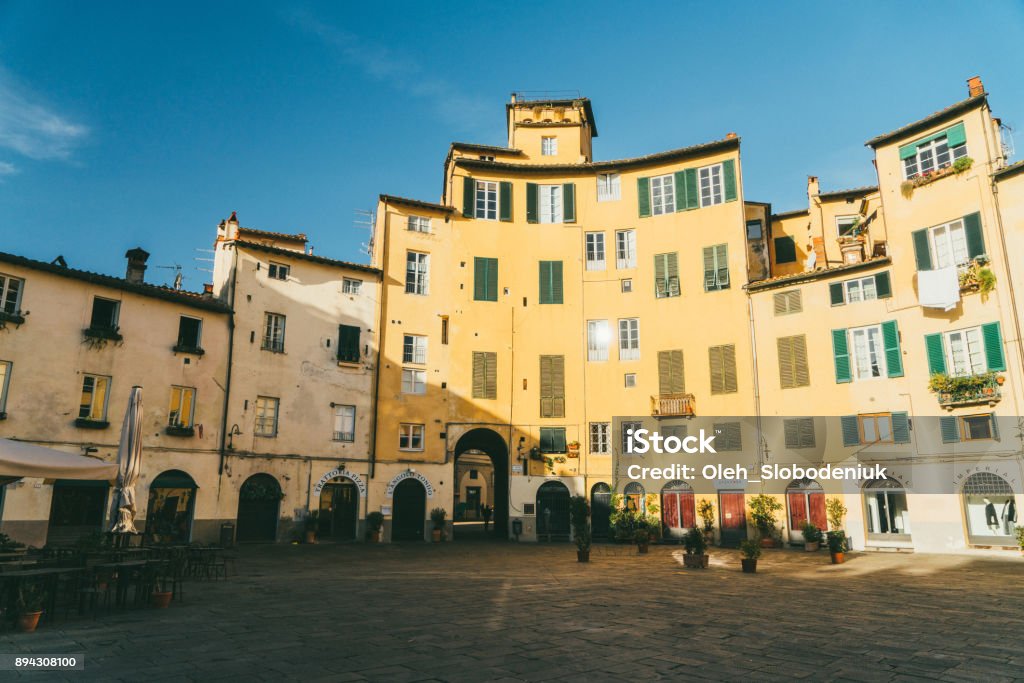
(366, 220)
(178, 277)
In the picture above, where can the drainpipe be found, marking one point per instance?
(227, 380)
(380, 344)
(757, 390)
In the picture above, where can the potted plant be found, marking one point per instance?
(374, 523)
(161, 596)
(579, 515)
(31, 598)
(696, 546)
(437, 516)
(642, 538)
(750, 549)
(1020, 538)
(837, 546)
(835, 511)
(312, 525)
(762, 512)
(706, 510)
(812, 537)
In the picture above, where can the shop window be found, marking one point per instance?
(888, 516)
(990, 508)
(634, 497)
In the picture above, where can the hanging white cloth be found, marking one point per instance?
(938, 288)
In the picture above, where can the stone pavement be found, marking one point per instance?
(510, 612)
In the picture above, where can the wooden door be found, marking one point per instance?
(733, 519)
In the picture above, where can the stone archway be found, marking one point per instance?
(487, 442)
(259, 505)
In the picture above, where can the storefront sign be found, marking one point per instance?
(517, 469)
(390, 491)
(336, 472)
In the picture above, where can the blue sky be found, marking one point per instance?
(125, 124)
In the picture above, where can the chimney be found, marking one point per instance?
(137, 258)
(975, 87)
(730, 136)
(208, 289)
(812, 186)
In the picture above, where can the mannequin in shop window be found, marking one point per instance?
(1009, 516)
(990, 516)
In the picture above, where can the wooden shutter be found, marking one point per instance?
(836, 295)
(900, 428)
(935, 353)
(729, 179)
(722, 264)
(788, 302)
(851, 430)
(710, 269)
(841, 352)
(883, 286)
(893, 354)
(643, 193)
(679, 181)
(505, 201)
(468, 197)
(975, 238)
(715, 363)
(956, 135)
(531, 202)
(479, 279)
(670, 372)
(922, 253)
(551, 282)
(348, 343)
(692, 193)
(546, 439)
(672, 273)
(799, 432)
(485, 374)
(797, 510)
(729, 361)
(949, 429)
(552, 386)
(992, 338)
(722, 360)
(793, 370)
(569, 203)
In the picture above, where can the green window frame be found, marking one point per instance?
(551, 282)
(485, 279)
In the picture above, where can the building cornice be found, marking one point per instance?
(302, 256)
(821, 274)
(929, 121)
(415, 203)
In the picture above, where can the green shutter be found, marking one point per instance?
(935, 353)
(883, 286)
(660, 267)
(468, 197)
(679, 180)
(643, 195)
(851, 431)
(841, 353)
(975, 238)
(550, 282)
(893, 354)
(949, 429)
(907, 151)
(569, 203)
(835, 293)
(729, 179)
(485, 279)
(559, 440)
(992, 338)
(921, 251)
(492, 279)
(672, 273)
(956, 135)
(505, 201)
(785, 250)
(531, 202)
(546, 439)
(709, 269)
(995, 426)
(556, 282)
(348, 343)
(900, 428)
(692, 193)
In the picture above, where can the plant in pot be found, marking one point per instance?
(762, 512)
(837, 546)
(579, 515)
(706, 511)
(812, 537)
(750, 549)
(437, 516)
(161, 596)
(696, 546)
(642, 538)
(1020, 538)
(312, 525)
(31, 598)
(374, 523)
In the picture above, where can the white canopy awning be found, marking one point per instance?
(19, 459)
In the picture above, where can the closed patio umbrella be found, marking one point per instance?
(129, 460)
(20, 459)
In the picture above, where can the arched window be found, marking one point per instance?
(885, 503)
(806, 501)
(171, 506)
(991, 509)
(634, 493)
(678, 512)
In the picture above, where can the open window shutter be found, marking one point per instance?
(558, 386)
(956, 135)
(935, 353)
(709, 268)
(841, 353)
(949, 429)
(729, 179)
(505, 201)
(643, 193)
(975, 239)
(672, 273)
(921, 251)
(992, 338)
(679, 180)
(893, 355)
(546, 398)
(883, 287)
(900, 428)
(531, 202)
(479, 279)
(692, 195)
(722, 264)
(468, 197)
(660, 274)
(835, 294)
(851, 431)
(479, 375)
(569, 203)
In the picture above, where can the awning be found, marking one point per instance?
(19, 459)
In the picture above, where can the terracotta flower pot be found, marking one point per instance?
(749, 566)
(838, 558)
(435, 535)
(642, 548)
(161, 599)
(374, 537)
(28, 621)
(768, 542)
(811, 547)
(583, 556)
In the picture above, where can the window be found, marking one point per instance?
(872, 428)
(885, 506)
(663, 195)
(861, 289)
(670, 372)
(608, 187)
(868, 352)
(444, 330)
(278, 271)
(552, 386)
(666, 275)
(598, 337)
(266, 416)
(550, 282)
(635, 497)
(486, 200)
(550, 203)
(10, 294)
(785, 249)
(414, 381)
(414, 349)
(793, 371)
(716, 268)
(710, 185)
(485, 374)
(934, 152)
(181, 412)
(273, 332)
(552, 440)
(629, 380)
(419, 224)
(977, 427)
(595, 250)
(548, 146)
(626, 436)
(877, 286)
(417, 267)
(600, 438)
(948, 244)
(846, 224)
(410, 437)
(95, 391)
(625, 249)
(5, 383)
(991, 509)
(485, 279)
(189, 333)
(344, 423)
(876, 428)
(965, 352)
(629, 339)
(104, 314)
(351, 285)
(722, 360)
(789, 302)
(728, 436)
(348, 343)
(799, 432)
(627, 285)
(755, 229)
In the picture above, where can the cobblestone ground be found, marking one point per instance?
(477, 611)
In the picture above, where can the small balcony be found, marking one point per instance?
(673, 405)
(953, 392)
(103, 333)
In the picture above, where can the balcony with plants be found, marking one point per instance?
(954, 391)
(976, 276)
(673, 405)
(958, 167)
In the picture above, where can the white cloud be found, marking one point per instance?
(30, 129)
(7, 168)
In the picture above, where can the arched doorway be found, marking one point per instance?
(991, 510)
(553, 511)
(732, 518)
(339, 509)
(888, 516)
(806, 501)
(600, 511)
(76, 510)
(635, 497)
(485, 451)
(171, 507)
(409, 511)
(678, 509)
(259, 502)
